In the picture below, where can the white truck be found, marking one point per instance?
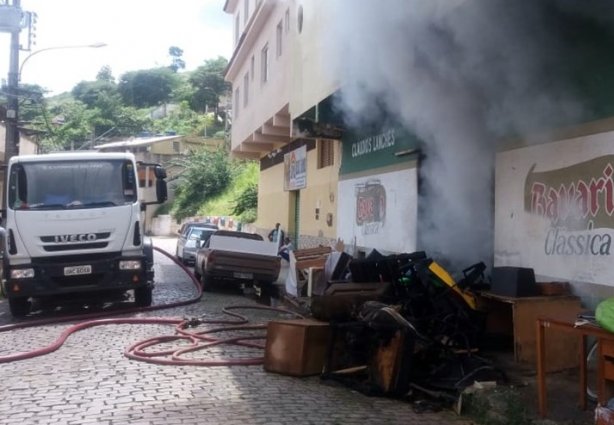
(73, 224)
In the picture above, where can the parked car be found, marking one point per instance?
(232, 257)
(185, 227)
(191, 240)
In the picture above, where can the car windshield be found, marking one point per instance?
(72, 184)
(200, 234)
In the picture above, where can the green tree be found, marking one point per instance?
(206, 175)
(176, 57)
(183, 120)
(71, 125)
(246, 204)
(105, 74)
(209, 84)
(92, 93)
(31, 102)
(148, 87)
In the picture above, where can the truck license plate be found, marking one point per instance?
(77, 270)
(239, 275)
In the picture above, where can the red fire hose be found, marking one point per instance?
(198, 340)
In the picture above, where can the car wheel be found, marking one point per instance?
(143, 296)
(19, 306)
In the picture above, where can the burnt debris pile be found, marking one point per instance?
(419, 337)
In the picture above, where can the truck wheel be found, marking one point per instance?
(206, 282)
(142, 296)
(19, 306)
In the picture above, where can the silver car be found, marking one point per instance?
(190, 242)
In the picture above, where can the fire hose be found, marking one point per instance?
(197, 340)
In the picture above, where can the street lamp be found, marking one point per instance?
(11, 146)
(76, 46)
(12, 133)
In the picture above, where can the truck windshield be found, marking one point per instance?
(72, 184)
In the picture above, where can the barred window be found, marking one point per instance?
(326, 153)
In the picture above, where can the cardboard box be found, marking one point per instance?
(296, 347)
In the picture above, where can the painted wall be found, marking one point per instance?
(317, 200)
(264, 98)
(379, 210)
(554, 210)
(273, 201)
(312, 79)
(318, 215)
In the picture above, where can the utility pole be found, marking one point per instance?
(11, 20)
(12, 111)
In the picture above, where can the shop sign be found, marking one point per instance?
(295, 169)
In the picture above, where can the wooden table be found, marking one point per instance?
(515, 317)
(566, 322)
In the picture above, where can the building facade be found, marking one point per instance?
(273, 85)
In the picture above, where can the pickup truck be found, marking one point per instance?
(236, 258)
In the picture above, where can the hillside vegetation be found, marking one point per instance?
(158, 101)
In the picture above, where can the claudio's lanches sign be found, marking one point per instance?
(578, 201)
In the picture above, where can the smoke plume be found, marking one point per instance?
(464, 76)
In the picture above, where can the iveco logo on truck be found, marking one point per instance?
(84, 237)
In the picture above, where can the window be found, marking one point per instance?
(326, 153)
(252, 66)
(287, 21)
(299, 18)
(176, 147)
(237, 99)
(245, 89)
(279, 38)
(246, 12)
(264, 57)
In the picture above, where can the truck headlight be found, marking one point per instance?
(22, 273)
(130, 265)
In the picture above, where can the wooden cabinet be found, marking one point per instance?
(516, 317)
(296, 347)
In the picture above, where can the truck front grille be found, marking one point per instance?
(72, 247)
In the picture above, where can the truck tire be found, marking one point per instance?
(142, 296)
(19, 306)
(206, 282)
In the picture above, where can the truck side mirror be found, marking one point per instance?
(159, 172)
(161, 190)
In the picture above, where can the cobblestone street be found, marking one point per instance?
(89, 380)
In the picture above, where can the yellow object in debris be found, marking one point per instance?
(445, 277)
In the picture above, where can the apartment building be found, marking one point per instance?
(272, 88)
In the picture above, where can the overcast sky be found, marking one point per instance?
(138, 34)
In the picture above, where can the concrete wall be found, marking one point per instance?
(554, 212)
(379, 210)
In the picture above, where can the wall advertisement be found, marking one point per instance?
(554, 209)
(379, 211)
(295, 169)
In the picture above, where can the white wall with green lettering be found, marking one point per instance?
(378, 189)
(374, 147)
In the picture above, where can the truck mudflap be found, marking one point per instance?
(85, 275)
